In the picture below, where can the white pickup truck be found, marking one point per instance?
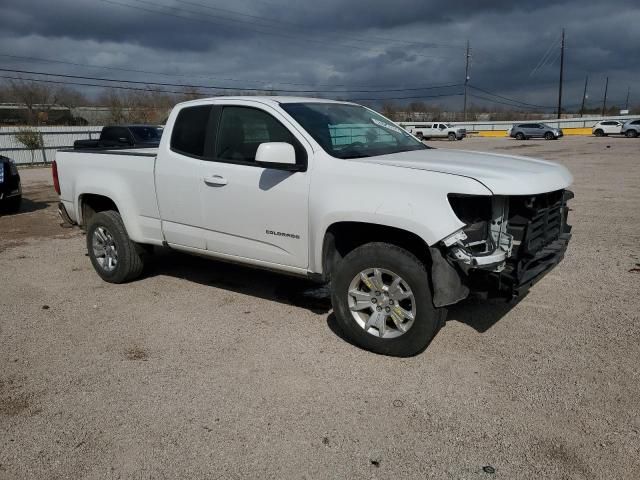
(427, 131)
(330, 191)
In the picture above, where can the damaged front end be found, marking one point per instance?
(507, 244)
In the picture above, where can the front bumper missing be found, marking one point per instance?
(531, 271)
(527, 237)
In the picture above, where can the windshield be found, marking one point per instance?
(147, 134)
(351, 131)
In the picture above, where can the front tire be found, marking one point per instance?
(381, 298)
(631, 134)
(451, 136)
(114, 256)
(599, 133)
(549, 136)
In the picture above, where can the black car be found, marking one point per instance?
(10, 188)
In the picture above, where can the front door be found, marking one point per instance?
(250, 211)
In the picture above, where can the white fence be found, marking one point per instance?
(53, 138)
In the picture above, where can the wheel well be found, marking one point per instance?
(343, 237)
(90, 204)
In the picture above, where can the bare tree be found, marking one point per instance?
(38, 98)
(389, 110)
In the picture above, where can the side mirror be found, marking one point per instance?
(278, 155)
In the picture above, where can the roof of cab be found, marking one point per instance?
(267, 99)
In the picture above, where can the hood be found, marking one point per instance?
(502, 174)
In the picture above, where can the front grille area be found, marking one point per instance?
(536, 221)
(541, 235)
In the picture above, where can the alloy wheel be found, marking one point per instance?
(104, 249)
(382, 303)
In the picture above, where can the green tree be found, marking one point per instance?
(31, 139)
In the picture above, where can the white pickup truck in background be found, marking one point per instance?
(436, 130)
(330, 191)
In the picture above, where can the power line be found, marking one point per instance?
(189, 75)
(418, 97)
(545, 58)
(117, 87)
(216, 87)
(510, 99)
(182, 92)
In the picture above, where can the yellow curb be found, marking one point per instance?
(492, 133)
(576, 131)
(503, 133)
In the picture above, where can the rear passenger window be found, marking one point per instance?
(190, 130)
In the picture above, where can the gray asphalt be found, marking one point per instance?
(206, 370)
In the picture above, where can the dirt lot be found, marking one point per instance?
(205, 370)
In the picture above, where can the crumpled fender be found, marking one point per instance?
(445, 281)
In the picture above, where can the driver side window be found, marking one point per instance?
(243, 129)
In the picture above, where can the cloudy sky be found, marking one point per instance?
(391, 47)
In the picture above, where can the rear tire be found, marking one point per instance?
(114, 256)
(599, 133)
(420, 136)
(395, 334)
(520, 136)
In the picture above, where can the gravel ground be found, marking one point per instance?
(206, 370)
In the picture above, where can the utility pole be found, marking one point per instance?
(466, 80)
(626, 105)
(561, 76)
(584, 95)
(604, 100)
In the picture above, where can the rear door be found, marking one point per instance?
(180, 169)
(613, 127)
(249, 211)
(535, 130)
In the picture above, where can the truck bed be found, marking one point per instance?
(129, 172)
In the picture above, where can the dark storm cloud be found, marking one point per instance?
(361, 42)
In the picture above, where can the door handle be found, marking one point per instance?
(215, 181)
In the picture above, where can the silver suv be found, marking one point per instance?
(631, 129)
(525, 131)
